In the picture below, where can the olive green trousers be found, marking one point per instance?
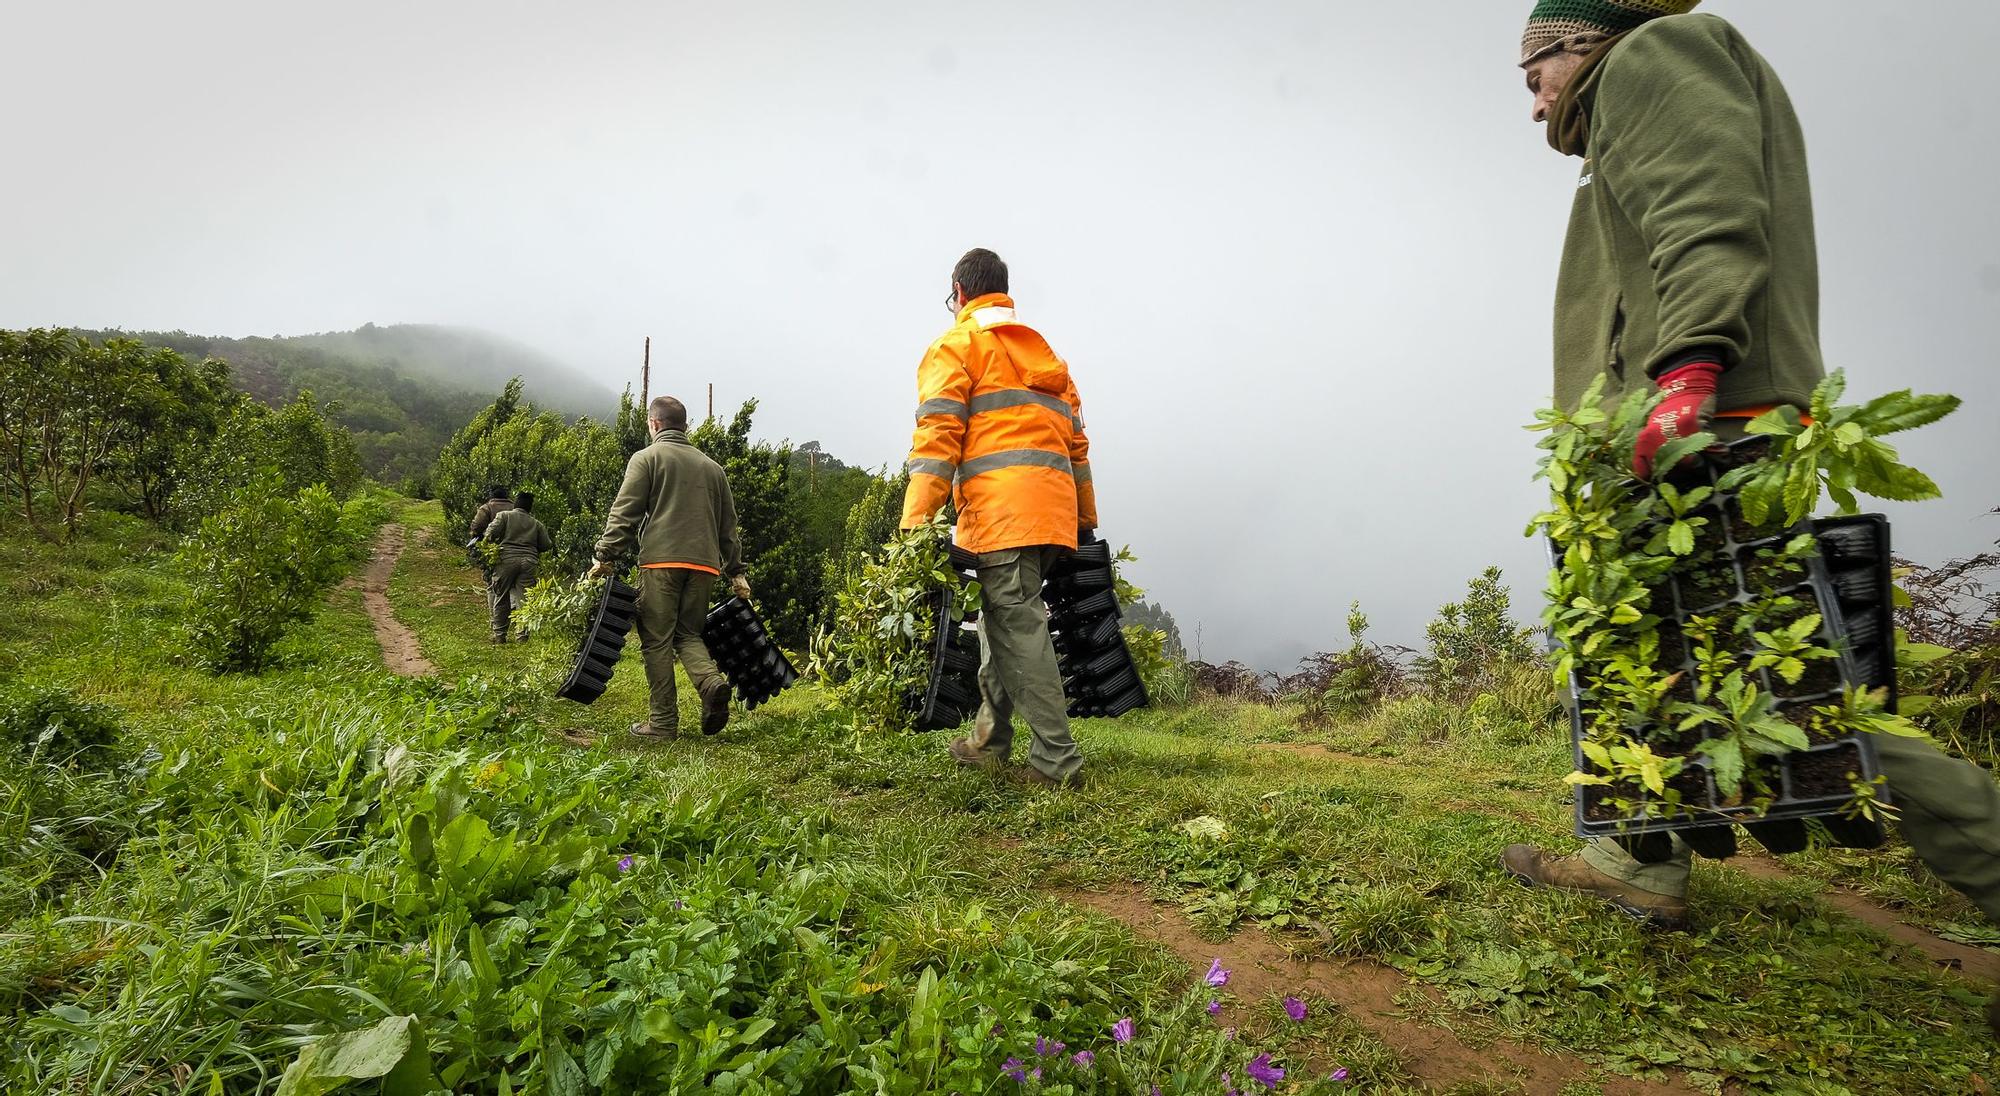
(1018, 674)
(505, 583)
(673, 606)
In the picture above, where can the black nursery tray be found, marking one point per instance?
(757, 670)
(1847, 583)
(950, 694)
(597, 656)
(1098, 676)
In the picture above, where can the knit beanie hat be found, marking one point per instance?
(1569, 24)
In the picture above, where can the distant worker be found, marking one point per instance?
(497, 502)
(675, 509)
(521, 539)
(1000, 432)
(1690, 265)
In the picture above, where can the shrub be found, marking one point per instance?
(1473, 642)
(56, 725)
(260, 565)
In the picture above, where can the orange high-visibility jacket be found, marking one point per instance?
(998, 416)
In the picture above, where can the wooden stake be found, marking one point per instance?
(711, 399)
(646, 375)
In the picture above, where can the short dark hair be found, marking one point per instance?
(669, 412)
(524, 501)
(497, 491)
(980, 272)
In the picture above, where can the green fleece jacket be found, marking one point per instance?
(675, 505)
(1692, 230)
(520, 535)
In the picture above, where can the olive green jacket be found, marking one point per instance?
(675, 505)
(1691, 235)
(520, 535)
(488, 510)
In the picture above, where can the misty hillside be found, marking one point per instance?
(402, 390)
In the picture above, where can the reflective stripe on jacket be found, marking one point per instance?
(998, 419)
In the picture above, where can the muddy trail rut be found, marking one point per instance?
(1364, 991)
(400, 650)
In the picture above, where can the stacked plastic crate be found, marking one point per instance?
(757, 670)
(603, 641)
(1098, 675)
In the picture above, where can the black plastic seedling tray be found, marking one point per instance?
(1847, 583)
(756, 668)
(1099, 678)
(597, 655)
(951, 690)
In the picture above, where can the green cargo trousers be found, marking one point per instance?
(1017, 664)
(1948, 810)
(673, 605)
(508, 580)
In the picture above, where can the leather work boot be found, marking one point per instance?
(715, 709)
(645, 730)
(1536, 868)
(972, 757)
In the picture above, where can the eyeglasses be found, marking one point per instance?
(951, 301)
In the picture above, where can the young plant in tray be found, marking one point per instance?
(1683, 663)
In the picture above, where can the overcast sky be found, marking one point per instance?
(1299, 256)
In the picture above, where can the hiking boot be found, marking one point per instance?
(1036, 778)
(647, 730)
(972, 757)
(1536, 868)
(715, 709)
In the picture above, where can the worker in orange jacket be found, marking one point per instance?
(1000, 433)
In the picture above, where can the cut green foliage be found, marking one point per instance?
(874, 653)
(1839, 452)
(1645, 607)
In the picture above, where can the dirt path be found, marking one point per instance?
(400, 650)
(1363, 990)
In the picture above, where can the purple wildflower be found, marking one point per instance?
(1263, 1072)
(1047, 1048)
(1012, 1068)
(1214, 1007)
(625, 863)
(1123, 1030)
(1156, 1090)
(1228, 1033)
(1338, 1074)
(1035, 1074)
(1295, 1008)
(1217, 974)
(1083, 1058)
(1229, 1085)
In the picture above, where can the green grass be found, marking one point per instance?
(265, 870)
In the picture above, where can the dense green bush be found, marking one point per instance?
(1475, 642)
(263, 563)
(55, 725)
(261, 450)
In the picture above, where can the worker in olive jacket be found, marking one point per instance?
(520, 539)
(674, 508)
(1690, 266)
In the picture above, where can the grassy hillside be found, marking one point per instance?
(402, 389)
(263, 861)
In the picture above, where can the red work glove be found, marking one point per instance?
(1686, 411)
